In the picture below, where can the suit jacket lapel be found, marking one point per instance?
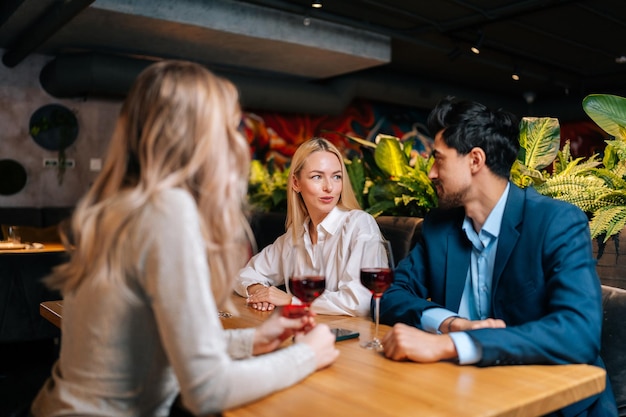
(509, 234)
(457, 264)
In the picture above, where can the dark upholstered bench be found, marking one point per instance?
(613, 349)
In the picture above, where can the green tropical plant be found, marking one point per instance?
(267, 186)
(609, 113)
(539, 145)
(391, 178)
(598, 187)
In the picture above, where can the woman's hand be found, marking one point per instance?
(322, 341)
(276, 329)
(265, 298)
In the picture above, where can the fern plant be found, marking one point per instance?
(598, 187)
(609, 113)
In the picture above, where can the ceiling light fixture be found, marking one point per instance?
(316, 4)
(515, 74)
(476, 47)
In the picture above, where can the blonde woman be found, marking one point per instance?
(157, 241)
(321, 210)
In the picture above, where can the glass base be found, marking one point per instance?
(373, 344)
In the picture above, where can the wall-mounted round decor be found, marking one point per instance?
(53, 127)
(12, 177)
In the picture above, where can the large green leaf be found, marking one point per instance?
(356, 173)
(609, 112)
(390, 157)
(540, 138)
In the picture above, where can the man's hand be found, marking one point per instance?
(265, 298)
(404, 342)
(459, 324)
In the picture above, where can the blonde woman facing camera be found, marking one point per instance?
(321, 210)
(157, 241)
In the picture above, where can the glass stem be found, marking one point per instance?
(376, 314)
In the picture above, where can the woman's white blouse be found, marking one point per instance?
(341, 235)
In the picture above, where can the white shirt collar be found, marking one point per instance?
(331, 222)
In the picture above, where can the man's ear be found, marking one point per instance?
(477, 159)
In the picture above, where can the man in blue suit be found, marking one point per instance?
(502, 275)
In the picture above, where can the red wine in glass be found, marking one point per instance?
(376, 275)
(377, 280)
(306, 289)
(295, 311)
(307, 281)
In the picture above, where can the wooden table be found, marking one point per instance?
(364, 383)
(52, 311)
(47, 248)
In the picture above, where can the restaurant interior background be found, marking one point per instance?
(358, 67)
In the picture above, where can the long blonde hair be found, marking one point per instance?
(296, 209)
(178, 128)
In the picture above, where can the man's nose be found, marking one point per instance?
(432, 174)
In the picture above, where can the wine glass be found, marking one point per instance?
(307, 280)
(376, 275)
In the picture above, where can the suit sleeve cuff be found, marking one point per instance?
(468, 351)
(433, 317)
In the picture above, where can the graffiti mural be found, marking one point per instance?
(277, 136)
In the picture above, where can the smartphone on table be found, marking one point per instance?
(344, 334)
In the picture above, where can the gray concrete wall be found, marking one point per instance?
(20, 96)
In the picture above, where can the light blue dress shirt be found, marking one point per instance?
(476, 298)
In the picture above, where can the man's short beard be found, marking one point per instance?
(452, 200)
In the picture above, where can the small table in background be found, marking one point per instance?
(52, 311)
(22, 289)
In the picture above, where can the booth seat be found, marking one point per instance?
(613, 350)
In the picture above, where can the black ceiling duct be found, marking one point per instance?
(79, 75)
(111, 76)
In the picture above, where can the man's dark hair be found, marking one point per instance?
(468, 124)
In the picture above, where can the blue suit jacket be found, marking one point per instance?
(545, 286)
